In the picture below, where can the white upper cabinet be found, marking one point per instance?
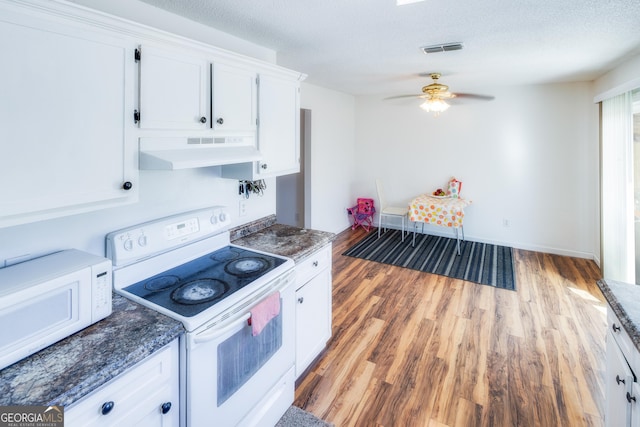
(233, 98)
(279, 121)
(80, 89)
(182, 91)
(67, 92)
(278, 130)
(174, 90)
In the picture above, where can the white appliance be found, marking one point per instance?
(49, 298)
(185, 267)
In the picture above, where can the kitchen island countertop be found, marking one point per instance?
(74, 367)
(624, 300)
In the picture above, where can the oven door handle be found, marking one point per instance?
(215, 332)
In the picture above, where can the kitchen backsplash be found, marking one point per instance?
(162, 193)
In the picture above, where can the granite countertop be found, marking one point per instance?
(624, 300)
(74, 367)
(292, 242)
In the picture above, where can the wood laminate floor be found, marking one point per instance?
(417, 349)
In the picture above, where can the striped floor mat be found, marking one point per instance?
(482, 263)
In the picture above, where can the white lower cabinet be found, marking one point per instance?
(635, 405)
(145, 395)
(622, 391)
(313, 307)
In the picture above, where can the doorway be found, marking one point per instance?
(293, 191)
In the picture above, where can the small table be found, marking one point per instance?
(440, 211)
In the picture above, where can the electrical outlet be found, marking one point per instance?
(242, 208)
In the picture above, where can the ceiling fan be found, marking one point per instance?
(436, 94)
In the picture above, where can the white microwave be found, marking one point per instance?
(46, 299)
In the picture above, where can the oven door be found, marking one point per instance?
(230, 372)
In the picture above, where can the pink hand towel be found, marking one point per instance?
(263, 312)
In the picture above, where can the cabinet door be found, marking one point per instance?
(234, 99)
(313, 319)
(618, 381)
(279, 126)
(174, 90)
(634, 396)
(64, 144)
(136, 397)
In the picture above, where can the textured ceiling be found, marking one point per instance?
(371, 47)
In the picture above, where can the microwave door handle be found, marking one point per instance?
(216, 332)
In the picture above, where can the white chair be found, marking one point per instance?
(388, 211)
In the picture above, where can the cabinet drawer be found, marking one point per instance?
(140, 391)
(312, 265)
(620, 335)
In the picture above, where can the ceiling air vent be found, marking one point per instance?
(446, 47)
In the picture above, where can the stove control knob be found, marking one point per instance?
(222, 216)
(128, 245)
(142, 240)
(214, 219)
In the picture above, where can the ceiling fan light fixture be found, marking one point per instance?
(434, 105)
(444, 47)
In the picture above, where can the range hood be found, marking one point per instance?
(167, 153)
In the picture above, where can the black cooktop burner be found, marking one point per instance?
(247, 266)
(199, 284)
(227, 255)
(199, 291)
(161, 282)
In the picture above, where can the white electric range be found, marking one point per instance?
(185, 267)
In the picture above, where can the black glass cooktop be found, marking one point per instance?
(199, 284)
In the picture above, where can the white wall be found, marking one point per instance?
(530, 157)
(333, 156)
(162, 193)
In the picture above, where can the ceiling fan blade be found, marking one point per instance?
(403, 96)
(475, 96)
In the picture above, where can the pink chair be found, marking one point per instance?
(362, 214)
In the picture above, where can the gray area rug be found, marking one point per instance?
(482, 263)
(296, 417)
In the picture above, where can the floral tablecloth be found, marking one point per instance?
(442, 211)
